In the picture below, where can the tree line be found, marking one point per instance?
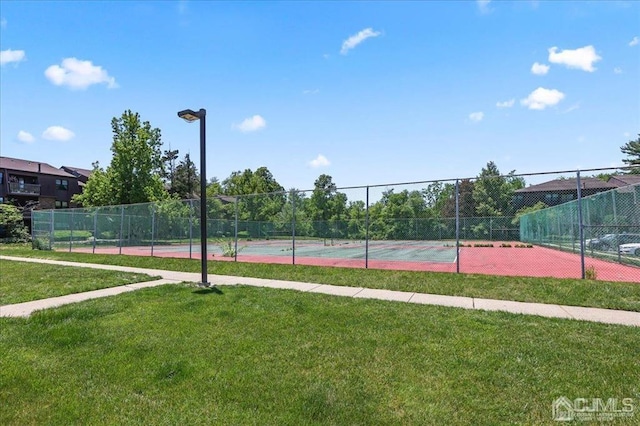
(141, 172)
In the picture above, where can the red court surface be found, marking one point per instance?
(506, 261)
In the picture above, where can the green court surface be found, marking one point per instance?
(425, 251)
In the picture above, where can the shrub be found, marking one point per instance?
(590, 273)
(12, 229)
(40, 244)
(228, 248)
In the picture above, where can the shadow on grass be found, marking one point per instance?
(208, 290)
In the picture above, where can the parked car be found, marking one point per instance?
(632, 248)
(612, 241)
(602, 243)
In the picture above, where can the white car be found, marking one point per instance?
(631, 248)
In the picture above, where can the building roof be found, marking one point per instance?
(77, 171)
(569, 185)
(32, 167)
(624, 180)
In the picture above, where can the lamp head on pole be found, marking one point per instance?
(191, 115)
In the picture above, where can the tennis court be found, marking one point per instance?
(493, 258)
(412, 251)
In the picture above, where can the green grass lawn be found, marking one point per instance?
(23, 282)
(179, 355)
(602, 294)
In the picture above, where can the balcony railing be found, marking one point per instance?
(24, 188)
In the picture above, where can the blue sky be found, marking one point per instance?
(367, 92)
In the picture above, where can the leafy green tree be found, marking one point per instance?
(525, 210)
(466, 202)
(493, 192)
(356, 213)
(135, 172)
(401, 215)
(284, 217)
(169, 158)
(97, 190)
(186, 181)
(326, 206)
(12, 227)
(632, 150)
(256, 207)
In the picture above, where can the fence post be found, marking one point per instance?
(51, 228)
(366, 233)
(153, 228)
(491, 229)
(293, 228)
(95, 230)
(580, 226)
(71, 231)
(613, 204)
(457, 226)
(121, 228)
(190, 228)
(235, 250)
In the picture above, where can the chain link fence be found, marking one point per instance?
(567, 226)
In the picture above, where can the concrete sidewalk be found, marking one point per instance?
(608, 316)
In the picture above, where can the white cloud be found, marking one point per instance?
(3, 23)
(319, 161)
(356, 39)
(506, 104)
(8, 56)
(57, 133)
(476, 117)
(617, 70)
(311, 92)
(25, 137)
(78, 74)
(541, 98)
(582, 58)
(251, 124)
(483, 5)
(634, 41)
(539, 69)
(626, 134)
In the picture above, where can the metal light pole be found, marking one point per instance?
(191, 116)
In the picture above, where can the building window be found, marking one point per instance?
(1, 200)
(551, 198)
(61, 204)
(567, 197)
(62, 184)
(1, 178)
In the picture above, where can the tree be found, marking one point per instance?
(466, 202)
(320, 203)
(135, 172)
(526, 210)
(97, 190)
(326, 205)
(632, 150)
(169, 158)
(493, 192)
(12, 227)
(186, 181)
(255, 207)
